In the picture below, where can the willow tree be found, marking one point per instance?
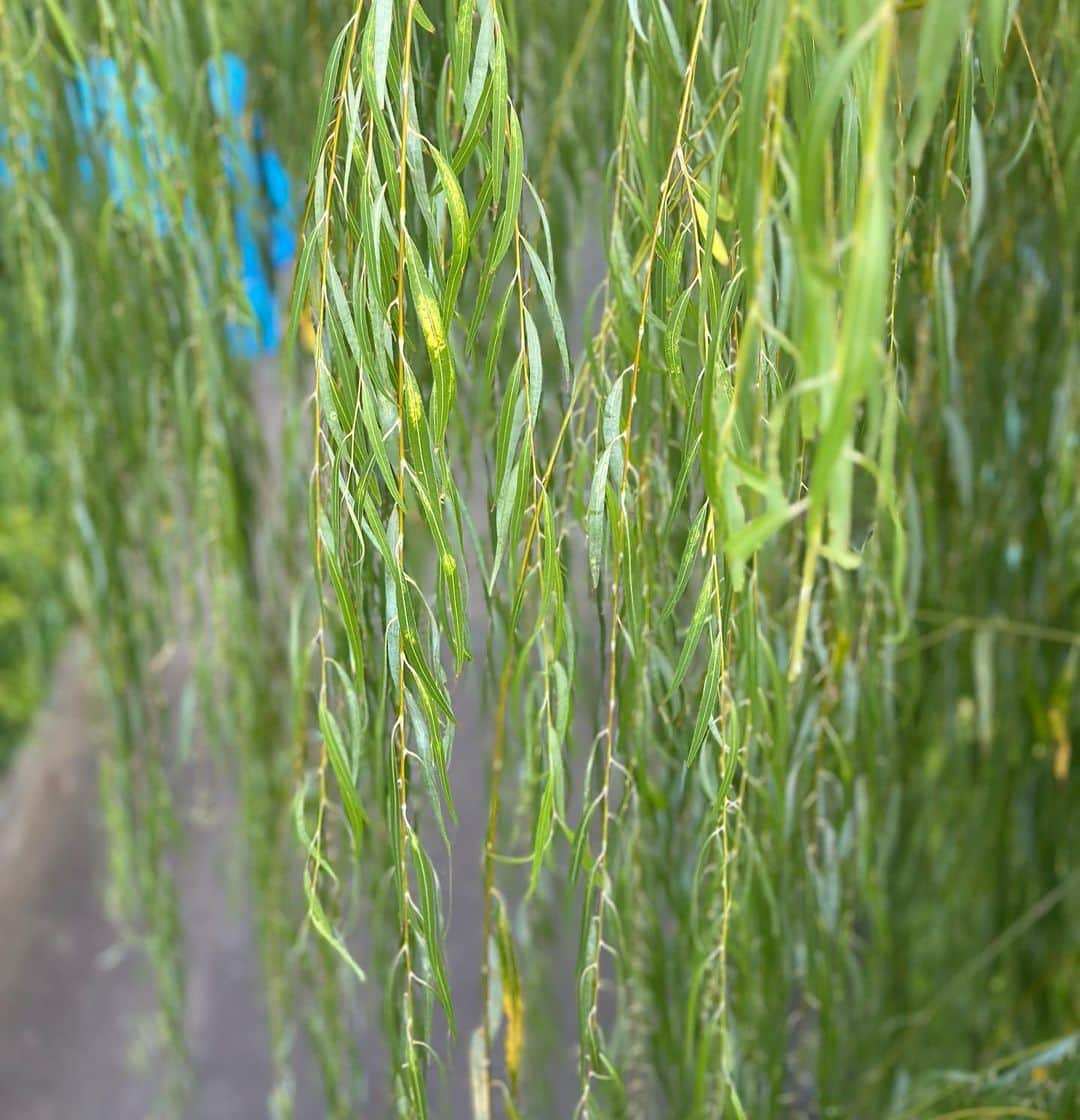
(767, 568)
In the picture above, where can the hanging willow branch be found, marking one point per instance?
(392, 335)
(764, 563)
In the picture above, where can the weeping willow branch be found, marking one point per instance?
(796, 766)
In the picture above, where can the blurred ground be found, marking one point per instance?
(76, 1038)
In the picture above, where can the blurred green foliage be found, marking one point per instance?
(33, 608)
(31, 615)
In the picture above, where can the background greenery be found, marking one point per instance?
(771, 581)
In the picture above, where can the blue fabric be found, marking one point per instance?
(136, 157)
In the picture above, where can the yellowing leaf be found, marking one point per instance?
(719, 249)
(307, 332)
(1062, 746)
(514, 1010)
(513, 1001)
(432, 328)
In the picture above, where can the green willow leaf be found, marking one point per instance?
(382, 30)
(942, 24)
(597, 520)
(429, 912)
(708, 703)
(335, 749)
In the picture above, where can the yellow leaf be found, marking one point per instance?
(1063, 747)
(431, 325)
(514, 1010)
(307, 332)
(513, 1001)
(413, 404)
(719, 249)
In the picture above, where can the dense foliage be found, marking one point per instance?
(767, 561)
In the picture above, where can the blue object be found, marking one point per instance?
(136, 157)
(32, 159)
(262, 215)
(100, 114)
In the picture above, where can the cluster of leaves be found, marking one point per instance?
(147, 432)
(32, 512)
(779, 231)
(32, 613)
(32, 607)
(771, 590)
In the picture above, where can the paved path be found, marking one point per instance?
(76, 1037)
